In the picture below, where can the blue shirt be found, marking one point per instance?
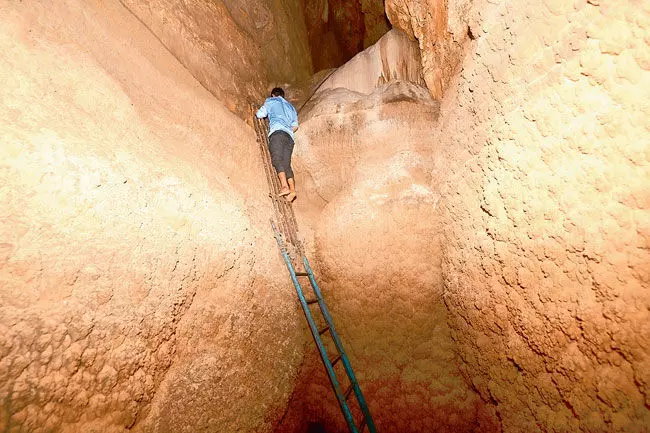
(282, 116)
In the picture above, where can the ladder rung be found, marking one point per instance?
(335, 360)
(311, 301)
(348, 391)
(363, 425)
(324, 330)
(302, 274)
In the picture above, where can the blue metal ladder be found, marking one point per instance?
(329, 363)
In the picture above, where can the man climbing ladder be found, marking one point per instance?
(283, 122)
(345, 386)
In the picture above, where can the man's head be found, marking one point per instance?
(277, 92)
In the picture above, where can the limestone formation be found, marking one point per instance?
(539, 177)
(339, 29)
(441, 29)
(375, 21)
(393, 57)
(545, 206)
(336, 30)
(378, 249)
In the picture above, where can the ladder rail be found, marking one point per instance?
(315, 333)
(339, 346)
(271, 179)
(283, 209)
(288, 227)
(286, 210)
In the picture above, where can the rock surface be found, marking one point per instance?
(336, 30)
(375, 20)
(485, 257)
(537, 187)
(140, 288)
(544, 175)
(237, 49)
(441, 29)
(393, 57)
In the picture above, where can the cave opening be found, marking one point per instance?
(338, 30)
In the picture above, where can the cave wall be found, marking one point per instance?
(375, 21)
(335, 29)
(236, 49)
(139, 289)
(544, 180)
(536, 181)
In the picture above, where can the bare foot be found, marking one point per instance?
(291, 197)
(284, 191)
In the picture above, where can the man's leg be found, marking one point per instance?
(284, 184)
(276, 148)
(288, 150)
(292, 190)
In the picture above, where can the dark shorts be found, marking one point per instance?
(281, 147)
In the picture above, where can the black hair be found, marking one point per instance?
(277, 91)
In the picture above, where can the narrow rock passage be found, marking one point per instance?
(473, 192)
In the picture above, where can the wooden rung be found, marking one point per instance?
(348, 391)
(363, 425)
(324, 330)
(337, 359)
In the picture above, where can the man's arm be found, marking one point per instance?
(262, 112)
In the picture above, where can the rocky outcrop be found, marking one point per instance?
(136, 288)
(236, 49)
(441, 28)
(394, 57)
(545, 209)
(336, 30)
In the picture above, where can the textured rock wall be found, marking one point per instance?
(441, 29)
(138, 284)
(537, 184)
(139, 289)
(546, 211)
(237, 49)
